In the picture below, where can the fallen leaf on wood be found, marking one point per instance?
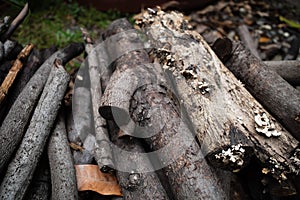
(89, 177)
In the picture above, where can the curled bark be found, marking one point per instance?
(63, 177)
(22, 166)
(13, 126)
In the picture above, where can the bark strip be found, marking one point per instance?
(13, 126)
(63, 176)
(21, 168)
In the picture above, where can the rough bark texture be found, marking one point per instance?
(289, 70)
(35, 60)
(63, 177)
(186, 182)
(135, 173)
(22, 166)
(274, 93)
(40, 186)
(225, 116)
(13, 126)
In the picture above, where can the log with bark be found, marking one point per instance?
(134, 170)
(274, 93)
(20, 170)
(63, 177)
(102, 151)
(13, 126)
(186, 169)
(35, 60)
(230, 124)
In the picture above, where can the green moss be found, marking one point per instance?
(59, 24)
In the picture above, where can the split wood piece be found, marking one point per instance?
(274, 93)
(227, 119)
(102, 151)
(63, 177)
(289, 70)
(21, 168)
(185, 181)
(13, 72)
(83, 126)
(135, 173)
(13, 126)
(40, 186)
(15, 23)
(247, 39)
(35, 60)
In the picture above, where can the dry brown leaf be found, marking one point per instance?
(264, 39)
(89, 177)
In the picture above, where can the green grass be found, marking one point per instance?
(59, 24)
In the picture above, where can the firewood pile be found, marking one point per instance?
(154, 112)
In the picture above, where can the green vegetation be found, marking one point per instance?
(59, 23)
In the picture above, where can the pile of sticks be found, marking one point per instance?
(155, 106)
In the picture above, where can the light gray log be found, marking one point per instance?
(13, 126)
(21, 168)
(63, 177)
(225, 115)
(102, 152)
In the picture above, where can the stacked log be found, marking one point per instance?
(154, 106)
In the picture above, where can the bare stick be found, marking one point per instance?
(15, 23)
(21, 168)
(247, 39)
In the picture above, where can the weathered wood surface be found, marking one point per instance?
(40, 186)
(102, 151)
(226, 118)
(135, 173)
(83, 133)
(134, 170)
(186, 181)
(21, 168)
(274, 93)
(63, 177)
(13, 126)
(289, 70)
